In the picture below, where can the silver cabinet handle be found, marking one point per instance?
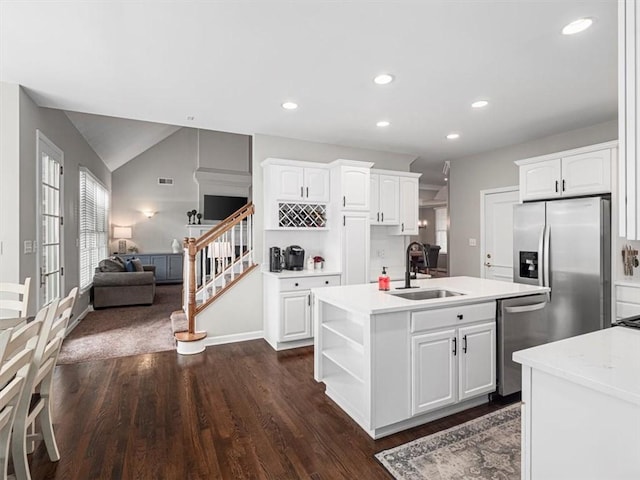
(382, 216)
(525, 308)
(302, 192)
(344, 201)
(378, 217)
(307, 192)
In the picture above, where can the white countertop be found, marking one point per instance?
(367, 299)
(300, 273)
(607, 361)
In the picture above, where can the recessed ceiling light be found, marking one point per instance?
(453, 136)
(446, 179)
(289, 105)
(577, 26)
(383, 123)
(383, 79)
(480, 104)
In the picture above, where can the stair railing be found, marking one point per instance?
(213, 263)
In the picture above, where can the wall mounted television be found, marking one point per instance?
(218, 207)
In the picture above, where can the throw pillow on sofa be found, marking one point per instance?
(135, 265)
(113, 264)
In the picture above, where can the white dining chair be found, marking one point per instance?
(34, 408)
(14, 298)
(17, 347)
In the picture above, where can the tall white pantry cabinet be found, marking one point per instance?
(629, 119)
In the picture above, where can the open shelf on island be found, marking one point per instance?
(346, 329)
(348, 360)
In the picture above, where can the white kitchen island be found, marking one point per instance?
(581, 407)
(392, 363)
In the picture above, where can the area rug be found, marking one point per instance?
(124, 331)
(487, 448)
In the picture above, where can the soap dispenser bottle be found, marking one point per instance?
(383, 280)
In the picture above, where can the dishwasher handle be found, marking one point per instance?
(525, 308)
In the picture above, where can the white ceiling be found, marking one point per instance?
(230, 64)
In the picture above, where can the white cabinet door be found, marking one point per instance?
(587, 173)
(355, 248)
(289, 182)
(540, 180)
(433, 371)
(316, 184)
(477, 351)
(389, 203)
(354, 184)
(374, 193)
(295, 322)
(409, 205)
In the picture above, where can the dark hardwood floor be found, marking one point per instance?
(236, 411)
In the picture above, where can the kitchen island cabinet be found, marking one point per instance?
(392, 363)
(581, 407)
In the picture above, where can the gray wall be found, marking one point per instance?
(470, 175)
(55, 125)
(9, 183)
(136, 189)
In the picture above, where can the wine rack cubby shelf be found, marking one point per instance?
(302, 215)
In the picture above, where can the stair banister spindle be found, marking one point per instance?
(240, 225)
(233, 251)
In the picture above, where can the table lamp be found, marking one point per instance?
(122, 234)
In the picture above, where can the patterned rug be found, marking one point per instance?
(487, 448)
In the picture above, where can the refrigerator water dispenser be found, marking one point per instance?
(529, 264)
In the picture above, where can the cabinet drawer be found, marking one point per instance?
(305, 283)
(444, 317)
(628, 294)
(624, 310)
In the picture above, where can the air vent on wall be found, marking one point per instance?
(165, 181)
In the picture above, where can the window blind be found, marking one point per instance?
(93, 224)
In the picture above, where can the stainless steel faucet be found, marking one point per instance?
(407, 273)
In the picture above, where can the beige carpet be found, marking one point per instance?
(487, 448)
(124, 331)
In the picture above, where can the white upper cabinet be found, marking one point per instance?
(583, 171)
(385, 199)
(409, 205)
(316, 184)
(540, 180)
(300, 184)
(289, 181)
(351, 181)
(587, 173)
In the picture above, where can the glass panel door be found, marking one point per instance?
(50, 220)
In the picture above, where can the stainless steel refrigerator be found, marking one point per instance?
(566, 245)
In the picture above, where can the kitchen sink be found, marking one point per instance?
(427, 294)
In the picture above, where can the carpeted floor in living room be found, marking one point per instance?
(124, 331)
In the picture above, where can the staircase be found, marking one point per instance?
(213, 264)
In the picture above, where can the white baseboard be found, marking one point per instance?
(236, 337)
(78, 319)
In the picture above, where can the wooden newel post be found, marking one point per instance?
(190, 244)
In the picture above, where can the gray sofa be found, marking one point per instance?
(113, 289)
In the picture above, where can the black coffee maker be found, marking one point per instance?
(294, 257)
(275, 259)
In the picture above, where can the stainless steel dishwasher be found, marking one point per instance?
(523, 322)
